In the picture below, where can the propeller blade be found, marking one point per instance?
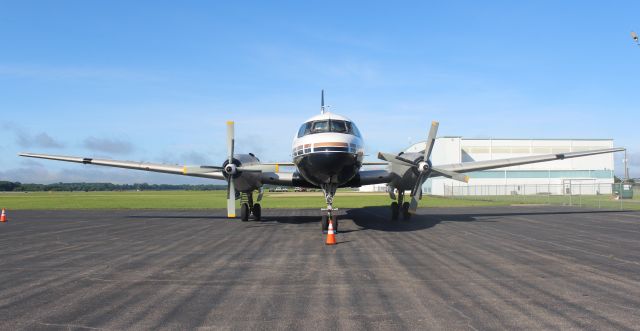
(231, 189)
(418, 186)
(395, 159)
(413, 206)
(450, 174)
(416, 192)
(231, 198)
(431, 140)
(230, 141)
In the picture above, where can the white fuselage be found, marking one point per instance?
(328, 149)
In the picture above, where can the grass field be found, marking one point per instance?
(217, 199)
(206, 199)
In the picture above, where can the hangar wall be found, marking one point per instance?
(596, 170)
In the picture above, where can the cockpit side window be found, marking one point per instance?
(320, 126)
(339, 126)
(353, 129)
(304, 129)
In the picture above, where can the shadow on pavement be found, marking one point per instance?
(379, 217)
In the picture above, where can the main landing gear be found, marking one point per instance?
(247, 207)
(399, 207)
(329, 191)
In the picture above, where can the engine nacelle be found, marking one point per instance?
(244, 181)
(405, 177)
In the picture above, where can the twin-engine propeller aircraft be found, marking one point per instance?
(328, 152)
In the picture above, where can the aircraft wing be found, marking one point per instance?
(493, 164)
(368, 177)
(279, 164)
(212, 172)
(281, 178)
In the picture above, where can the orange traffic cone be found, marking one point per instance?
(3, 216)
(331, 235)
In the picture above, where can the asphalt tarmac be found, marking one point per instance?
(455, 268)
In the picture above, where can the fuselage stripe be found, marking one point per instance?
(331, 149)
(330, 144)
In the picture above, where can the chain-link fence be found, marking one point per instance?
(606, 196)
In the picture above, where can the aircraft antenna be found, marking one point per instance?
(322, 102)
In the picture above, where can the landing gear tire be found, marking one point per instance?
(334, 220)
(405, 211)
(395, 211)
(244, 212)
(325, 223)
(257, 212)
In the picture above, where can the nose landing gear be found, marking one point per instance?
(329, 191)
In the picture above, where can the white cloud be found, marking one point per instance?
(108, 145)
(26, 139)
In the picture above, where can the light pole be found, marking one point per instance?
(626, 168)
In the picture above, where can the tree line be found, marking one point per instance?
(7, 186)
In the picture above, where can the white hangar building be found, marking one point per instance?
(591, 173)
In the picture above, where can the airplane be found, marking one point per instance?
(327, 153)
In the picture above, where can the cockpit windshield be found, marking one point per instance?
(320, 127)
(337, 126)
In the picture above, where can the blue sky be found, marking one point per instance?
(156, 81)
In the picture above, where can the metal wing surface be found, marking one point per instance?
(368, 177)
(212, 172)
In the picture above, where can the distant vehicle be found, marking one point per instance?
(300, 189)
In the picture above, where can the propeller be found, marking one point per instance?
(231, 170)
(422, 167)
